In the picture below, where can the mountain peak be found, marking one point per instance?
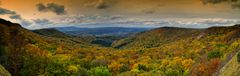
(8, 23)
(2, 21)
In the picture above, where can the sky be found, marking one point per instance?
(37, 14)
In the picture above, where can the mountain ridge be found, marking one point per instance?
(173, 33)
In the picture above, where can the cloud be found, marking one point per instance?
(42, 21)
(6, 11)
(25, 22)
(15, 16)
(214, 1)
(51, 7)
(218, 1)
(125, 21)
(100, 4)
(149, 11)
(76, 19)
(177, 22)
(234, 3)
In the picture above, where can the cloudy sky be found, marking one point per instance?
(35, 14)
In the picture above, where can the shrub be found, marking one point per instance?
(214, 54)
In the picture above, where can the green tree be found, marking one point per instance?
(214, 54)
(100, 71)
(55, 69)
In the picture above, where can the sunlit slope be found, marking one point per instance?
(232, 68)
(156, 37)
(4, 72)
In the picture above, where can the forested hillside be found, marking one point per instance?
(166, 51)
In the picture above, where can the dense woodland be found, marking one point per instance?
(166, 51)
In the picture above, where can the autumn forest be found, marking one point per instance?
(119, 37)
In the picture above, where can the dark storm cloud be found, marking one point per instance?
(217, 1)
(42, 21)
(4, 11)
(12, 14)
(51, 7)
(234, 3)
(101, 6)
(213, 1)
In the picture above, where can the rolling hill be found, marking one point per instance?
(102, 40)
(156, 37)
(51, 32)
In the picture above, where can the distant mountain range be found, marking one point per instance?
(101, 31)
